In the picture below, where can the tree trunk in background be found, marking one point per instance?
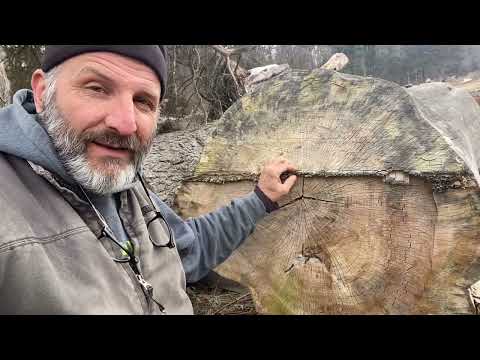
(385, 216)
(4, 87)
(20, 62)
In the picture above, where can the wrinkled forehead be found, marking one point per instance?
(111, 66)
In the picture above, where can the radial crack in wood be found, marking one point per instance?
(354, 253)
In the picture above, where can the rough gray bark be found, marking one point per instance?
(173, 159)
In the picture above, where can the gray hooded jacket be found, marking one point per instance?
(53, 258)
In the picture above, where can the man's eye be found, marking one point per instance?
(96, 88)
(145, 104)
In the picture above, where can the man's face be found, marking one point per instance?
(101, 117)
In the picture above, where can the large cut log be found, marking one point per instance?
(385, 215)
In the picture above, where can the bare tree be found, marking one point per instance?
(20, 61)
(4, 87)
(205, 80)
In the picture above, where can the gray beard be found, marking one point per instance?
(113, 175)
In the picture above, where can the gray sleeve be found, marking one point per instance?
(205, 242)
(220, 232)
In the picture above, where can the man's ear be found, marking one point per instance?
(38, 88)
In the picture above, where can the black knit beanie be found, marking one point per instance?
(153, 56)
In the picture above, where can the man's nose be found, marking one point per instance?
(122, 117)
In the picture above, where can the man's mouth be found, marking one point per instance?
(112, 150)
(111, 146)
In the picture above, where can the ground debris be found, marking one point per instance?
(210, 301)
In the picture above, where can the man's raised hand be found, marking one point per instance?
(271, 183)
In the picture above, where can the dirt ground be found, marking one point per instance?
(214, 301)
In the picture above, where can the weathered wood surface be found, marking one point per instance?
(385, 217)
(329, 123)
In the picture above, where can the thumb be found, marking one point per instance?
(288, 184)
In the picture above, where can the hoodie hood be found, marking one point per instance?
(22, 135)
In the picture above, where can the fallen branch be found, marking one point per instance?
(337, 62)
(231, 303)
(239, 72)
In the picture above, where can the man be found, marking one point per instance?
(80, 233)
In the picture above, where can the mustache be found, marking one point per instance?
(110, 138)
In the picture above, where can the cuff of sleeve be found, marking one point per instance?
(270, 205)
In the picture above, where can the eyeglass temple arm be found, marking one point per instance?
(106, 229)
(142, 181)
(144, 185)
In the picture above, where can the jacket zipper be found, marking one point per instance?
(146, 286)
